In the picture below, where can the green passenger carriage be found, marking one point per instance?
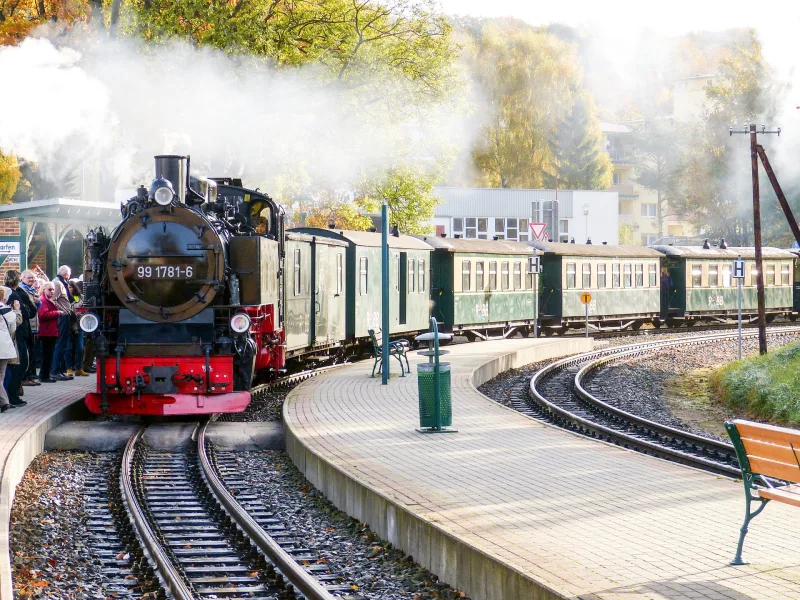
(409, 264)
(624, 282)
(481, 288)
(703, 287)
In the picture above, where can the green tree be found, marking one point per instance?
(524, 75)
(9, 177)
(578, 158)
(625, 234)
(659, 165)
(33, 185)
(408, 191)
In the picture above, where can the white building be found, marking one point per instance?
(485, 213)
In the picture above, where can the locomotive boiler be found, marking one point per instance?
(184, 297)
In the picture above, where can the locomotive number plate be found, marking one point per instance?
(165, 272)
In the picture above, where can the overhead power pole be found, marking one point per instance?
(754, 154)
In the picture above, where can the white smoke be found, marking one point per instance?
(123, 102)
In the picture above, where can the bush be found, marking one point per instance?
(764, 387)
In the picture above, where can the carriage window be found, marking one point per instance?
(492, 275)
(466, 267)
(726, 276)
(362, 262)
(504, 274)
(517, 275)
(627, 278)
(615, 275)
(753, 275)
(421, 275)
(713, 275)
(697, 275)
(785, 274)
(601, 275)
(570, 276)
(297, 285)
(770, 274)
(479, 276)
(640, 275)
(586, 272)
(339, 273)
(652, 272)
(412, 275)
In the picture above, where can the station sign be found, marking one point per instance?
(9, 248)
(586, 297)
(738, 269)
(534, 265)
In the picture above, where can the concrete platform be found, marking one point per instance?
(510, 508)
(22, 434)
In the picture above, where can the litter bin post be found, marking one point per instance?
(433, 379)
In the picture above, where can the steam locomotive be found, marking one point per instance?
(183, 298)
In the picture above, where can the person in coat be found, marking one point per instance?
(28, 289)
(15, 372)
(48, 330)
(8, 327)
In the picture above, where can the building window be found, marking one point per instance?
(339, 274)
(363, 275)
(652, 272)
(517, 275)
(492, 275)
(504, 274)
(627, 275)
(697, 275)
(479, 276)
(466, 266)
(649, 210)
(458, 225)
(601, 275)
(421, 275)
(770, 274)
(472, 227)
(297, 285)
(617, 178)
(615, 275)
(499, 225)
(412, 275)
(535, 211)
(570, 276)
(726, 276)
(586, 275)
(713, 275)
(784, 274)
(640, 275)
(483, 225)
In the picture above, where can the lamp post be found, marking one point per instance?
(385, 292)
(586, 215)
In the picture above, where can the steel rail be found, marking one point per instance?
(610, 434)
(288, 567)
(170, 578)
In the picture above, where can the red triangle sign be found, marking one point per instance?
(538, 229)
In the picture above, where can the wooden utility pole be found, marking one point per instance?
(762, 316)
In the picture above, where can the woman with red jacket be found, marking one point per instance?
(48, 330)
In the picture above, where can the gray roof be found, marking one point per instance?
(731, 252)
(366, 238)
(497, 202)
(598, 250)
(304, 237)
(64, 210)
(475, 246)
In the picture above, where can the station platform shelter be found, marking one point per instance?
(49, 233)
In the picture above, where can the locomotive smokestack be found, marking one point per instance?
(174, 168)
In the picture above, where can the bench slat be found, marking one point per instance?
(789, 494)
(768, 433)
(778, 470)
(782, 453)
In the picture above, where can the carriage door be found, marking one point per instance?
(402, 282)
(324, 269)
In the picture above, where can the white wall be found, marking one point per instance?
(603, 217)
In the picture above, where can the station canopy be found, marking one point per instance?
(66, 211)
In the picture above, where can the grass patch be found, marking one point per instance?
(766, 387)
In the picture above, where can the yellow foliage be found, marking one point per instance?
(9, 177)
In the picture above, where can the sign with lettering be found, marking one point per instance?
(9, 247)
(738, 269)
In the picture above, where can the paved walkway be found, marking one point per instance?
(22, 432)
(579, 518)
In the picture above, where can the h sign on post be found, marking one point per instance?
(738, 268)
(534, 264)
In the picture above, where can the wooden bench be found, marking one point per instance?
(770, 463)
(397, 348)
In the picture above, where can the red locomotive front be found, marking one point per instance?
(183, 299)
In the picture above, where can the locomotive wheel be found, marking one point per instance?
(657, 323)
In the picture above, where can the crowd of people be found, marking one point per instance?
(39, 331)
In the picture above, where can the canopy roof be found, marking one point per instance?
(64, 210)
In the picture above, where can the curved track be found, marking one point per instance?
(206, 536)
(557, 393)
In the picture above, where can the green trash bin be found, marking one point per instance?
(427, 395)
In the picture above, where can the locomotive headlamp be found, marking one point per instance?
(240, 323)
(161, 192)
(89, 322)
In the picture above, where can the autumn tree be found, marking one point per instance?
(408, 191)
(9, 177)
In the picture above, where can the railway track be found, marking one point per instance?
(204, 534)
(559, 395)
